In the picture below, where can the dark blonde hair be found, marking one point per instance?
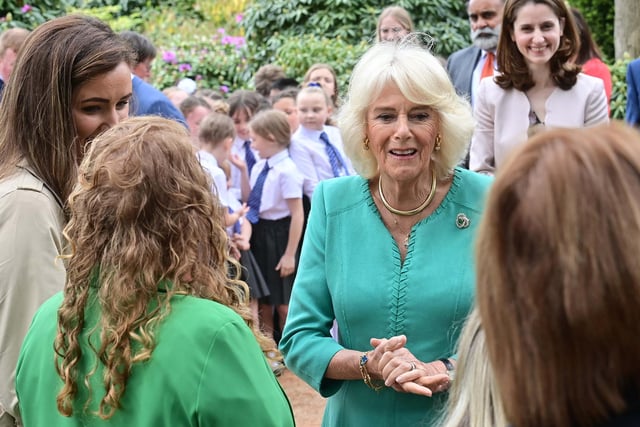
(246, 100)
(474, 399)
(312, 90)
(215, 128)
(265, 76)
(336, 88)
(36, 122)
(400, 14)
(13, 38)
(273, 125)
(191, 102)
(142, 218)
(514, 72)
(559, 278)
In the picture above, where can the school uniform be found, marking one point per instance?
(271, 232)
(238, 148)
(219, 185)
(250, 273)
(308, 142)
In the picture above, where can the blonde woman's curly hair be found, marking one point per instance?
(142, 218)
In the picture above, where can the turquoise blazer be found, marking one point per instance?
(350, 270)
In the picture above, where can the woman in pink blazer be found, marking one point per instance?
(538, 85)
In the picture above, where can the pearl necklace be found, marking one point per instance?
(410, 212)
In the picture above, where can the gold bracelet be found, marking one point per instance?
(365, 374)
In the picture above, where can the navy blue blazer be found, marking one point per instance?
(460, 66)
(149, 101)
(633, 93)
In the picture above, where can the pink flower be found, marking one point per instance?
(184, 67)
(169, 57)
(26, 8)
(224, 89)
(237, 41)
(221, 30)
(239, 18)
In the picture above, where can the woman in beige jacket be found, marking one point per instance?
(538, 86)
(69, 89)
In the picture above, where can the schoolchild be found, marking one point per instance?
(273, 192)
(216, 136)
(243, 105)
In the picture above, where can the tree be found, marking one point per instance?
(627, 28)
(600, 16)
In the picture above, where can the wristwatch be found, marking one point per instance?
(450, 367)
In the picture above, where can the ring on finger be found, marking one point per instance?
(413, 366)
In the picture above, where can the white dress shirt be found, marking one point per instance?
(284, 181)
(210, 165)
(237, 148)
(309, 153)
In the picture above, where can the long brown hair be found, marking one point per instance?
(514, 72)
(142, 219)
(559, 277)
(588, 47)
(36, 122)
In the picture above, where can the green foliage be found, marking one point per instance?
(215, 62)
(599, 14)
(113, 15)
(353, 22)
(297, 54)
(29, 15)
(619, 93)
(122, 14)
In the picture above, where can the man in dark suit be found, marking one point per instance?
(468, 66)
(147, 100)
(465, 66)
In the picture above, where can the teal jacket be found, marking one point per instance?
(206, 370)
(350, 270)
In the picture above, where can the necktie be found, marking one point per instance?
(334, 156)
(248, 156)
(256, 195)
(487, 69)
(236, 227)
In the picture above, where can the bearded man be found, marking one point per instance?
(468, 66)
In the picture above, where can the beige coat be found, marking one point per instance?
(503, 117)
(31, 223)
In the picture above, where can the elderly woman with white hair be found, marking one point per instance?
(388, 253)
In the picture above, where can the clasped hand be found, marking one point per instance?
(392, 361)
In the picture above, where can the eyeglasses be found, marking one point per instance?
(394, 30)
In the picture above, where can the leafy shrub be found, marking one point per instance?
(599, 14)
(352, 21)
(619, 93)
(29, 16)
(126, 14)
(297, 54)
(215, 62)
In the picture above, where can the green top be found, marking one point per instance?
(206, 370)
(350, 270)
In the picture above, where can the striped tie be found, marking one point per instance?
(256, 196)
(249, 157)
(334, 156)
